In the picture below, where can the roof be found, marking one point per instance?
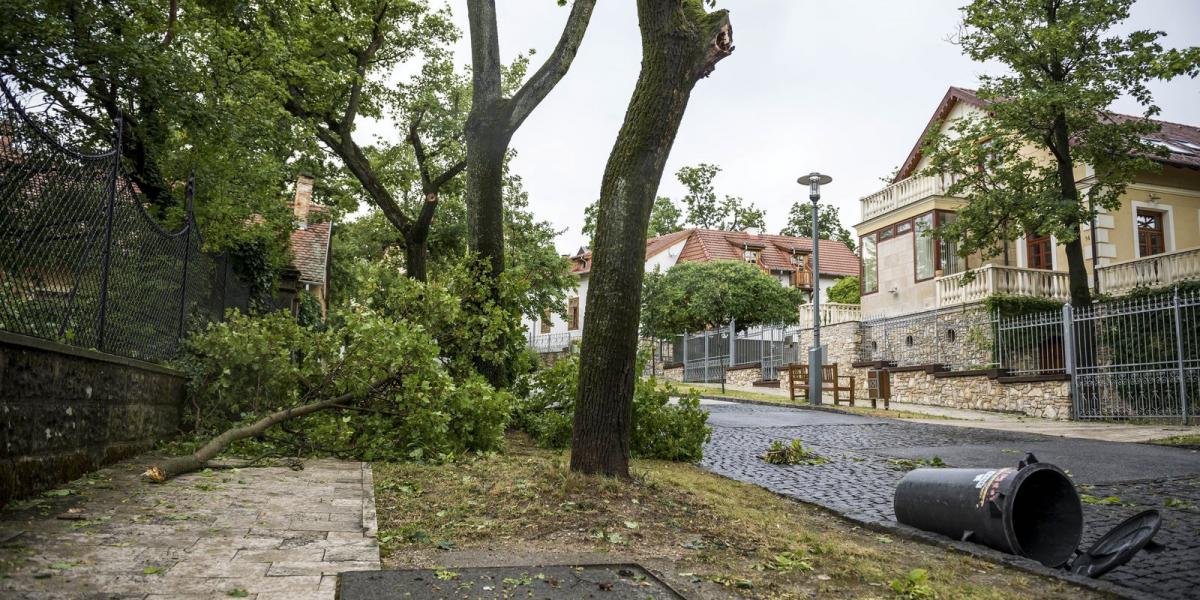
(582, 261)
(310, 247)
(775, 251)
(1181, 141)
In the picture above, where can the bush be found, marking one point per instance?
(661, 430)
(846, 291)
(432, 407)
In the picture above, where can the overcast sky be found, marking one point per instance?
(844, 87)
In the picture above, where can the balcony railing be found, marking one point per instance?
(995, 279)
(903, 193)
(1152, 271)
(831, 313)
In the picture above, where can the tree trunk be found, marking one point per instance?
(680, 44)
(416, 259)
(1081, 295)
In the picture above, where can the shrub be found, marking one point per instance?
(846, 291)
(661, 430)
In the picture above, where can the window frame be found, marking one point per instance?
(573, 314)
(1160, 217)
(862, 264)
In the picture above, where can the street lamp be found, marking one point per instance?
(814, 181)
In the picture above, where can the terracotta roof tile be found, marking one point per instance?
(310, 247)
(582, 263)
(775, 251)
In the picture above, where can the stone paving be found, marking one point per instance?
(265, 533)
(867, 460)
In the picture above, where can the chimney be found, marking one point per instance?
(304, 194)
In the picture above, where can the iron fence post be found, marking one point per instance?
(1179, 366)
(706, 378)
(1068, 333)
(106, 256)
(187, 253)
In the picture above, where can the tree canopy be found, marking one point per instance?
(1065, 68)
(707, 211)
(665, 218)
(695, 295)
(829, 223)
(846, 291)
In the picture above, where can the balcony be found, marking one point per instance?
(904, 192)
(1153, 271)
(832, 313)
(802, 279)
(995, 279)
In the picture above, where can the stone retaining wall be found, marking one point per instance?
(67, 411)
(744, 375)
(672, 372)
(1046, 399)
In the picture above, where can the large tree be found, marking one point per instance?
(706, 210)
(693, 296)
(829, 223)
(681, 43)
(495, 116)
(1065, 69)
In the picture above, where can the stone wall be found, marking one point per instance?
(1046, 398)
(744, 375)
(66, 411)
(672, 372)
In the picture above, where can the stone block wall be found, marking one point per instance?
(672, 372)
(744, 375)
(1050, 399)
(65, 411)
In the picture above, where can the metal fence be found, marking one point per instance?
(1137, 358)
(81, 262)
(553, 342)
(707, 354)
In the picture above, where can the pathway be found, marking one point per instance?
(265, 533)
(866, 455)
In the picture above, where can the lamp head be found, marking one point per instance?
(814, 181)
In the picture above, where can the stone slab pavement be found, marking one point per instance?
(867, 457)
(266, 533)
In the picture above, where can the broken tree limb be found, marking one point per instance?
(186, 464)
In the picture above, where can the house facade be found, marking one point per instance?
(309, 243)
(1152, 240)
(788, 259)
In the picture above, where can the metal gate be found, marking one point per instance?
(1136, 358)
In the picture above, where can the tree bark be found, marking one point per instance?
(490, 126)
(681, 43)
(1081, 295)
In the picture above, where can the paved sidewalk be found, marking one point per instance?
(868, 457)
(265, 533)
(982, 419)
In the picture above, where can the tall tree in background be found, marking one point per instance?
(495, 116)
(665, 218)
(1065, 71)
(829, 223)
(707, 211)
(681, 43)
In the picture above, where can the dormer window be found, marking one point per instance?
(750, 256)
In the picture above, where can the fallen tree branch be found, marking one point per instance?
(193, 462)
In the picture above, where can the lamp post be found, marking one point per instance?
(814, 181)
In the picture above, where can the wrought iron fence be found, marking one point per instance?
(553, 342)
(81, 262)
(706, 355)
(1137, 358)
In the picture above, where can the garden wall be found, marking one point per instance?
(67, 411)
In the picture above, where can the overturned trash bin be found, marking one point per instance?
(1031, 511)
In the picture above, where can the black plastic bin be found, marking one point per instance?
(1032, 511)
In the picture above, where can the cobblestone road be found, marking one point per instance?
(867, 460)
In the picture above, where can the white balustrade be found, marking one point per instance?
(831, 313)
(903, 193)
(1152, 271)
(995, 279)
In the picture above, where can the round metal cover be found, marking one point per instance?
(1118, 546)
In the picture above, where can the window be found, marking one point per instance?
(1039, 252)
(1150, 233)
(948, 259)
(750, 256)
(924, 247)
(546, 321)
(573, 314)
(903, 227)
(870, 265)
(886, 234)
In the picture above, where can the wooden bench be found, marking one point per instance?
(830, 382)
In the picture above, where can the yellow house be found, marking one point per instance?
(1152, 240)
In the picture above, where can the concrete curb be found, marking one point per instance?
(370, 520)
(967, 548)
